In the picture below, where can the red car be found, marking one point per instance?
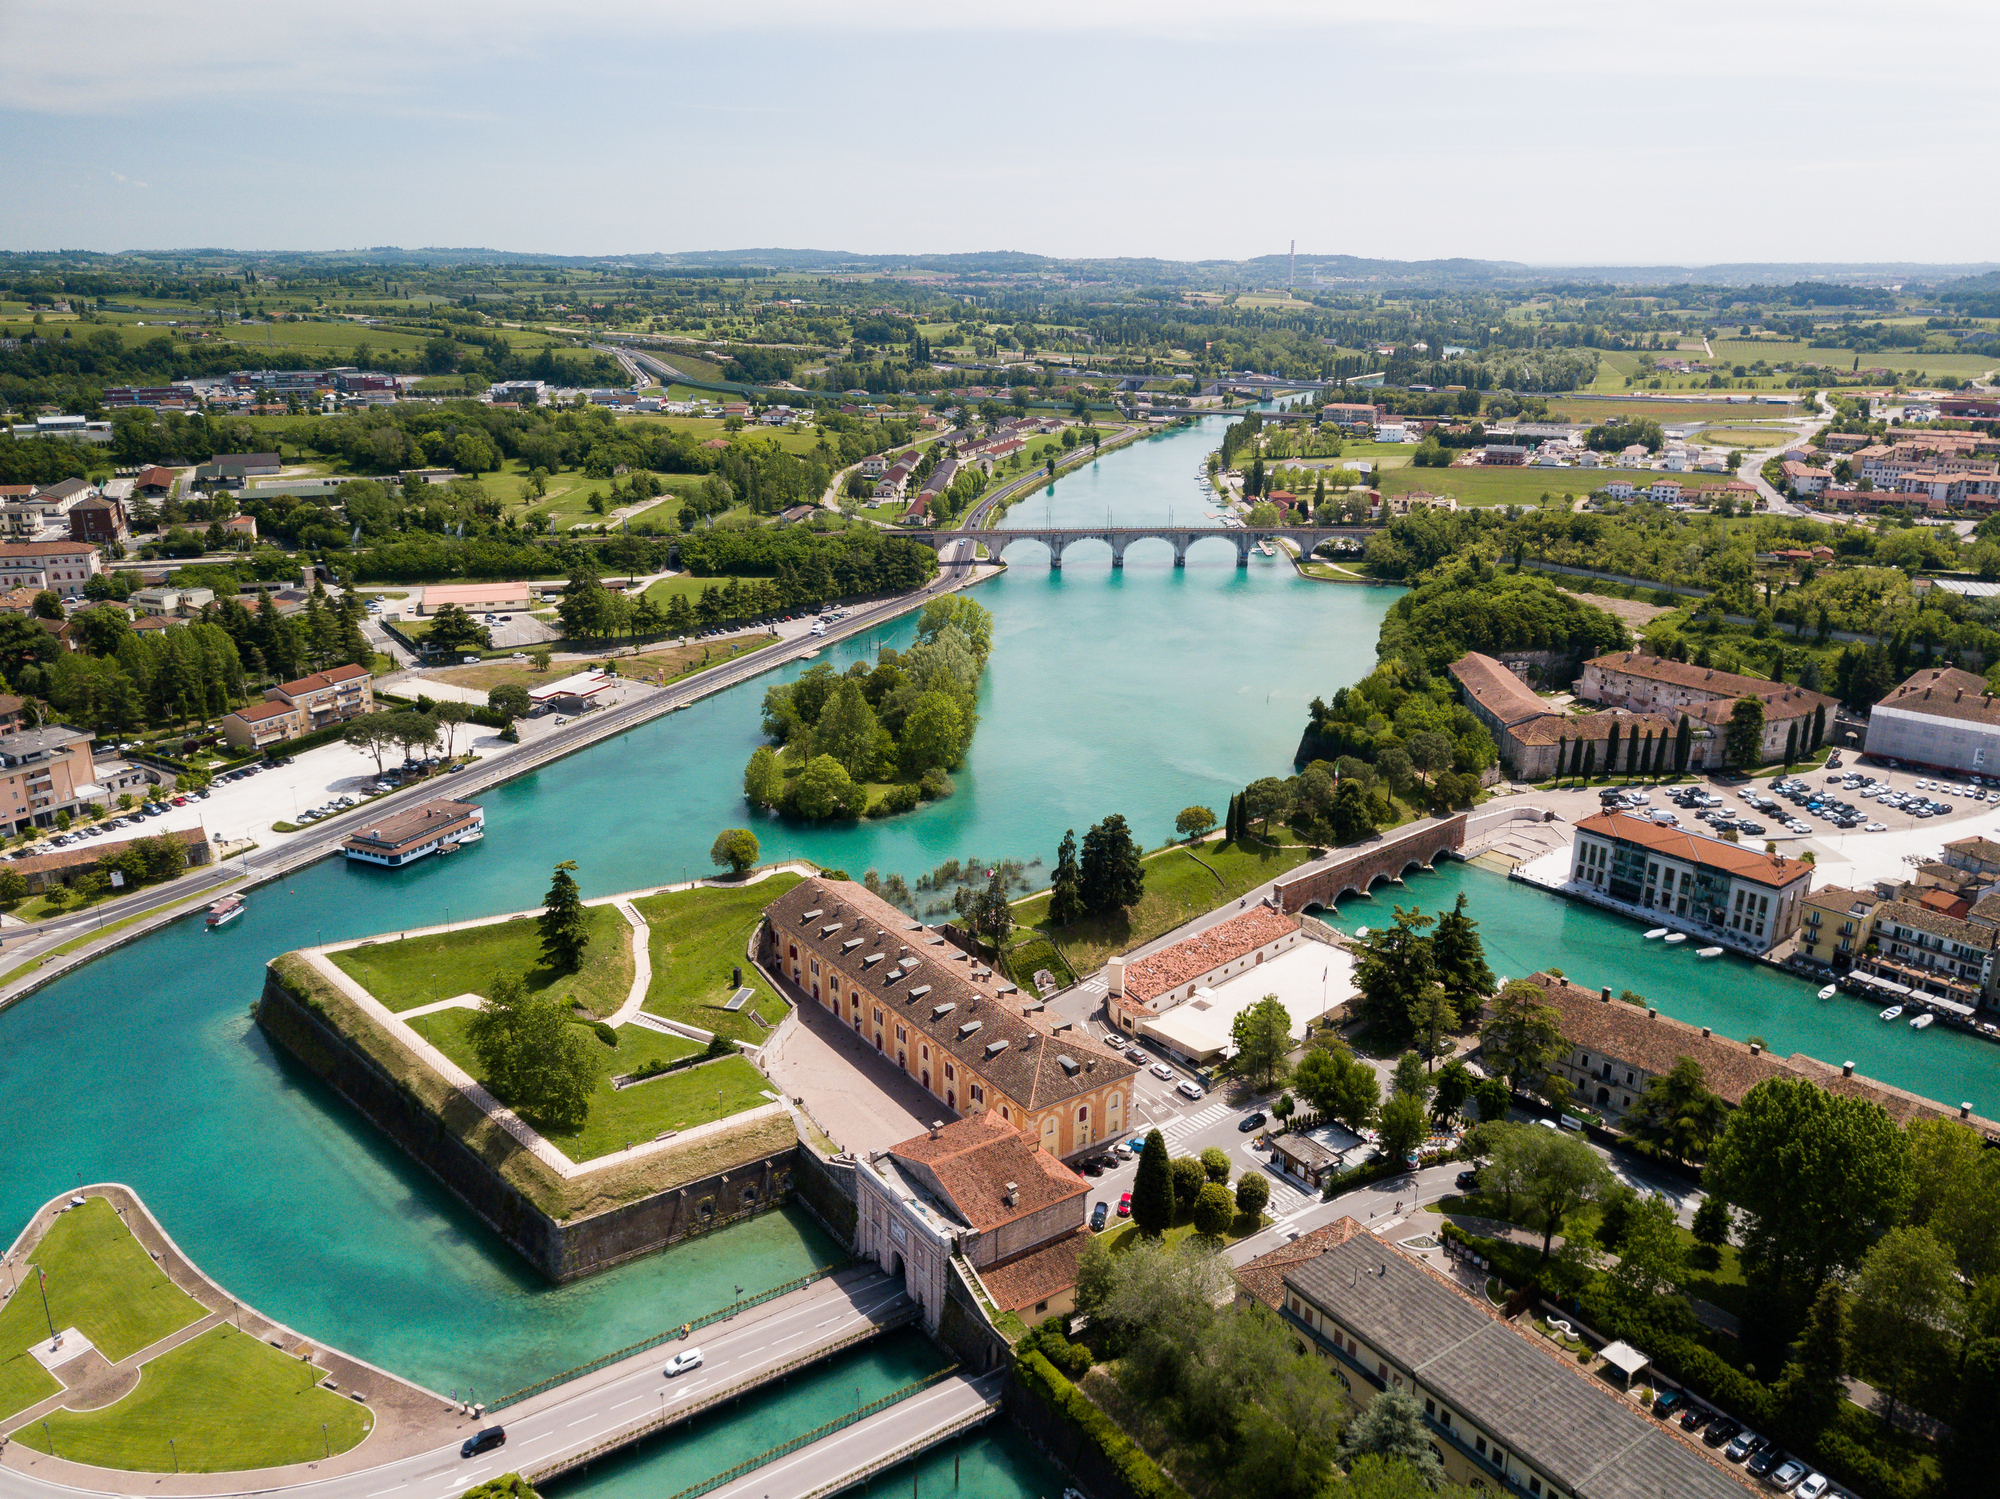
(1125, 1206)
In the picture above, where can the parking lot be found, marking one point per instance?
(1849, 798)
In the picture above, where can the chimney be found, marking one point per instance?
(1705, 1031)
(1013, 1194)
(1114, 976)
(1965, 1111)
(1604, 994)
(1755, 1048)
(1652, 1012)
(1847, 1069)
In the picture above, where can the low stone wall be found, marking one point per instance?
(826, 1189)
(494, 1176)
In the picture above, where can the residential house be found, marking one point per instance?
(1503, 455)
(968, 1037)
(99, 519)
(162, 598)
(1836, 925)
(1801, 479)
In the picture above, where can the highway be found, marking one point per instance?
(548, 1433)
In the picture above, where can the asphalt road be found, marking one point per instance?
(575, 1419)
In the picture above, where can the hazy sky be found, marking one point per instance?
(1566, 131)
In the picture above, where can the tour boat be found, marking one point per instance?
(1894, 1012)
(226, 910)
(1918, 1022)
(1673, 937)
(1656, 934)
(1829, 991)
(1709, 952)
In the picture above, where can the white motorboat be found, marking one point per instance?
(1829, 991)
(226, 910)
(1360, 933)
(1894, 1012)
(1674, 937)
(1919, 1022)
(1709, 952)
(1656, 934)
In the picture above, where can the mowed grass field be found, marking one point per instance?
(1497, 486)
(101, 1282)
(422, 970)
(226, 1401)
(698, 938)
(1925, 362)
(620, 1117)
(1745, 437)
(1668, 412)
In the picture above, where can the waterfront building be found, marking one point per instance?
(969, 1038)
(1836, 925)
(1942, 719)
(976, 1189)
(404, 837)
(1742, 898)
(1929, 947)
(1504, 1408)
(1614, 1049)
(1533, 739)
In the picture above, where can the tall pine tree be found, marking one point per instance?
(1153, 1188)
(1065, 893)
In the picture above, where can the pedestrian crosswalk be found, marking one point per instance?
(1189, 1124)
(1094, 984)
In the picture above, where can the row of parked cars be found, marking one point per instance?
(1761, 1457)
(125, 820)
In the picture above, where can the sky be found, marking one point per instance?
(1565, 132)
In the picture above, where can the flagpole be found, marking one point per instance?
(42, 1281)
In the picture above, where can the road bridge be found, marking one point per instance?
(589, 1416)
(1181, 538)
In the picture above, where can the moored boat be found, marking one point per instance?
(226, 910)
(1919, 1022)
(1673, 937)
(1656, 933)
(1829, 991)
(1894, 1012)
(1709, 952)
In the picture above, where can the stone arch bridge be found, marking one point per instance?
(1181, 538)
(1354, 871)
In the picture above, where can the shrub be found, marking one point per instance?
(720, 1046)
(1252, 1193)
(935, 785)
(1216, 1164)
(605, 1034)
(900, 798)
(1189, 1179)
(1214, 1210)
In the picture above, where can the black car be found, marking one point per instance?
(1094, 1166)
(1466, 1181)
(1097, 1216)
(483, 1441)
(1763, 1460)
(1697, 1417)
(1722, 1432)
(1249, 1122)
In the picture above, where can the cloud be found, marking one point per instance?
(128, 181)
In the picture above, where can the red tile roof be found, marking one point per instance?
(975, 1160)
(1193, 956)
(1744, 863)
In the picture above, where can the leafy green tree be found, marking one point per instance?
(764, 778)
(1263, 1037)
(1905, 1304)
(1450, 1090)
(1492, 1099)
(1677, 1112)
(1153, 1188)
(1975, 1426)
(454, 630)
(1396, 967)
(825, 790)
(1192, 822)
(509, 699)
(1818, 1177)
(1553, 1171)
(1189, 1179)
(849, 731)
(1523, 1036)
(1111, 877)
(1066, 888)
(935, 734)
(1711, 1232)
(1810, 1390)
(1403, 1126)
(564, 923)
(1743, 740)
(531, 1056)
(735, 848)
(1214, 1210)
(1215, 1164)
(1339, 1086)
(1353, 815)
(1253, 1192)
(1392, 1429)
(1651, 1259)
(1373, 1477)
(1410, 1079)
(13, 887)
(1956, 1192)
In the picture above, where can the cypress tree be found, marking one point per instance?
(1792, 742)
(1683, 743)
(1652, 748)
(1153, 1188)
(1562, 757)
(1611, 750)
(1590, 760)
(1819, 725)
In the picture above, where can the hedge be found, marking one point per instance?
(1142, 1475)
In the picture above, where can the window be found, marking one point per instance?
(1431, 1409)
(978, 1093)
(901, 1034)
(950, 1072)
(1535, 1486)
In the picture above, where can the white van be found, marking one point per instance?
(1665, 818)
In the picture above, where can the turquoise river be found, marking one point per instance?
(1138, 691)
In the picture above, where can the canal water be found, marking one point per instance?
(1526, 929)
(1138, 691)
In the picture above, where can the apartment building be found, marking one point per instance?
(42, 772)
(295, 708)
(58, 567)
(1733, 895)
(969, 1038)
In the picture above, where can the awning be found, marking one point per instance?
(1626, 1359)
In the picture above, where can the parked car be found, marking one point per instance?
(1742, 1445)
(1788, 1475)
(1135, 1054)
(681, 1363)
(1667, 1402)
(1125, 1205)
(1695, 1417)
(1721, 1433)
(1250, 1121)
(483, 1441)
(1162, 1071)
(1188, 1089)
(1097, 1216)
(1466, 1181)
(1763, 1460)
(1812, 1487)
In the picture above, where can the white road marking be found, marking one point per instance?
(618, 1407)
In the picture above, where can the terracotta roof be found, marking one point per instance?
(973, 1162)
(1193, 956)
(319, 681)
(46, 549)
(88, 855)
(1717, 684)
(1678, 843)
(1029, 1279)
(258, 712)
(1921, 917)
(1496, 689)
(927, 984)
(1840, 900)
(1984, 849)
(1264, 1277)
(1946, 692)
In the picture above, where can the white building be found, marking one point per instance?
(1941, 718)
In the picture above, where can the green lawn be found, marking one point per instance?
(689, 587)
(226, 1400)
(625, 1116)
(1123, 1234)
(420, 970)
(1668, 413)
(698, 939)
(1178, 888)
(1746, 437)
(99, 1281)
(1510, 486)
